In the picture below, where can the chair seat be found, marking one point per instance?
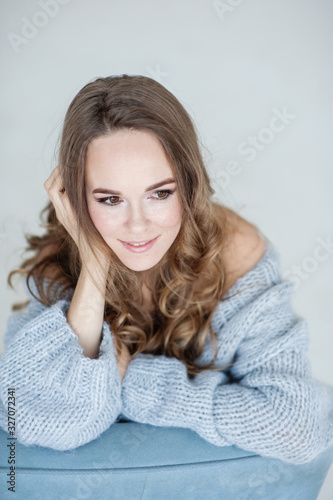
(132, 461)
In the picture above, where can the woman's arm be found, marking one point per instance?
(86, 311)
(65, 396)
(267, 401)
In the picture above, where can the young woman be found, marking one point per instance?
(149, 301)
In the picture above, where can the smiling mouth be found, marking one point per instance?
(137, 243)
(139, 246)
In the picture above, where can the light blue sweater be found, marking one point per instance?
(266, 401)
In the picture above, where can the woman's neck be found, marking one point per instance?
(147, 284)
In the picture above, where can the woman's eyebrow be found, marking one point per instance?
(149, 188)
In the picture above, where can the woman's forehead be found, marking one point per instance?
(126, 156)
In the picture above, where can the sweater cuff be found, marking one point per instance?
(157, 390)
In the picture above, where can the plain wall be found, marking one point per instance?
(234, 65)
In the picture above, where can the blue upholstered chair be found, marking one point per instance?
(132, 461)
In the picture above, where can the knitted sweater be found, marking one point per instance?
(265, 401)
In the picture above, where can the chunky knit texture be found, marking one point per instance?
(265, 401)
(63, 398)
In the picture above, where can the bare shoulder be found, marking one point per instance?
(243, 250)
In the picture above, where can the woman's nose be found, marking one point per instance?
(137, 218)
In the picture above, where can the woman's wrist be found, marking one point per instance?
(86, 312)
(94, 279)
(96, 268)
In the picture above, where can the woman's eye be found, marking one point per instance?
(166, 192)
(113, 200)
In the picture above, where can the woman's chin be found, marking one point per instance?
(139, 266)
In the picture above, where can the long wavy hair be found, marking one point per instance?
(189, 281)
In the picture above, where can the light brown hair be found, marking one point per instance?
(190, 279)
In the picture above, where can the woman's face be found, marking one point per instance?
(132, 196)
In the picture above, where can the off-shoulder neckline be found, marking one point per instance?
(271, 256)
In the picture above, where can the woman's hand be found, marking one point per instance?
(67, 217)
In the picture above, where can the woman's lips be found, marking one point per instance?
(141, 248)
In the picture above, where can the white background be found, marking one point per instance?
(230, 70)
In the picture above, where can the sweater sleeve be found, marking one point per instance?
(63, 399)
(266, 401)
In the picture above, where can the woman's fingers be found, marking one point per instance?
(54, 180)
(57, 194)
(67, 217)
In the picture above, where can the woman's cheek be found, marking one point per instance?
(103, 222)
(171, 217)
(165, 214)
